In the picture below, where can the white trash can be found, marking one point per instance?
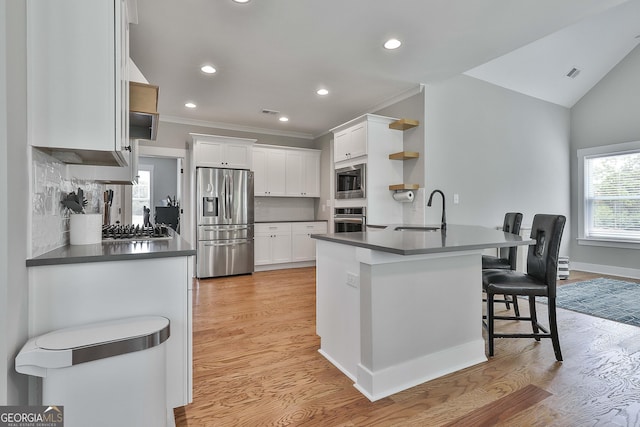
(103, 374)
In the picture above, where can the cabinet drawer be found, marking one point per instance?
(309, 227)
(272, 227)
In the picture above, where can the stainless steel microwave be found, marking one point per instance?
(350, 182)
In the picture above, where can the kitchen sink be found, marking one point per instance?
(416, 228)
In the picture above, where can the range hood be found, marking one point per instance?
(143, 111)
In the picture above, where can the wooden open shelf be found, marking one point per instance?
(399, 187)
(404, 155)
(404, 124)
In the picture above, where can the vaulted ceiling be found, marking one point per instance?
(274, 55)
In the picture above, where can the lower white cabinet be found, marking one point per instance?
(303, 246)
(272, 243)
(286, 242)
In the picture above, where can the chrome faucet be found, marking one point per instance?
(443, 226)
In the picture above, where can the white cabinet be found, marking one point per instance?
(350, 143)
(269, 171)
(303, 173)
(77, 80)
(120, 289)
(272, 243)
(303, 246)
(222, 151)
(108, 174)
(286, 171)
(380, 141)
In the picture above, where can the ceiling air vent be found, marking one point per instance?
(573, 73)
(270, 112)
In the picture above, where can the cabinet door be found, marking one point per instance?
(311, 174)
(259, 168)
(281, 247)
(358, 141)
(276, 173)
(262, 249)
(295, 174)
(209, 154)
(341, 145)
(303, 246)
(237, 156)
(74, 83)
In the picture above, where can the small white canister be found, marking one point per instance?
(85, 229)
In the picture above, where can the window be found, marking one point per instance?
(141, 195)
(610, 190)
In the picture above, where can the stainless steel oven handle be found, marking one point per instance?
(360, 220)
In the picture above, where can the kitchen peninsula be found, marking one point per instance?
(81, 284)
(401, 305)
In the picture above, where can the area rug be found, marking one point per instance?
(606, 298)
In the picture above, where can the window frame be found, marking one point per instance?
(583, 155)
(147, 168)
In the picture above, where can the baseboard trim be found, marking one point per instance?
(632, 273)
(284, 265)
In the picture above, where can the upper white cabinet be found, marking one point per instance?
(269, 168)
(303, 173)
(286, 171)
(350, 143)
(222, 151)
(77, 80)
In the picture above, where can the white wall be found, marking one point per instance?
(608, 114)
(4, 214)
(14, 198)
(498, 150)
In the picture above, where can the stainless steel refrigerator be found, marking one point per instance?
(225, 222)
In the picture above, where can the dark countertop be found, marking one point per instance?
(414, 242)
(115, 251)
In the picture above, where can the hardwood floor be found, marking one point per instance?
(256, 364)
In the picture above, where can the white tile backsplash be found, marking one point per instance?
(413, 213)
(284, 209)
(50, 219)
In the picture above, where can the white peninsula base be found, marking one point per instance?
(390, 322)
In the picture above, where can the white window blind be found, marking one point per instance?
(612, 196)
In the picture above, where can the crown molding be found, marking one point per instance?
(230, 126)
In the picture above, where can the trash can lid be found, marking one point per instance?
(102, 333)
(85, 343)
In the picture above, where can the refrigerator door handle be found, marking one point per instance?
(233, 243)
(229, 195)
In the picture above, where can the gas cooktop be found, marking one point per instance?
(131, 232)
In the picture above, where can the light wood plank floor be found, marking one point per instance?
(256, 364)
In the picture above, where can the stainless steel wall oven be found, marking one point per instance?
(349, 219)
(350, 182)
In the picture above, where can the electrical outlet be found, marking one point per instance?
(353, 280)
(456, 198)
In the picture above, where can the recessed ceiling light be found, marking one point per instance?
(241, 1)
(190, 105)
(284, 119)
(392, 44)
(322, 92)
(208, 69)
